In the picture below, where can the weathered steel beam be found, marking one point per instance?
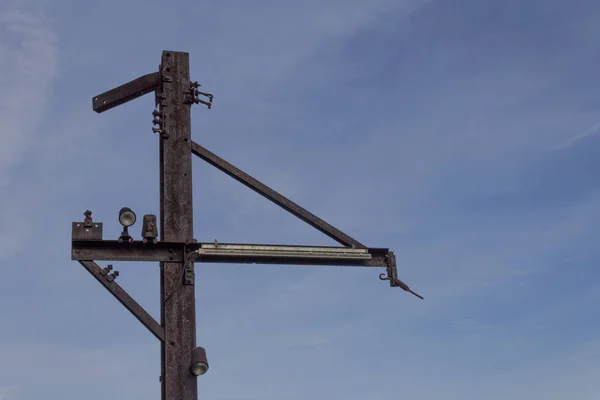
(112, 250)
(275, 197)
(126, 92)
(124, 298)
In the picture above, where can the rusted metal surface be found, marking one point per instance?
(121, 295)
(88, 229)
(193, 96)
(92, 232)
(274, 196)
(149, 229)
(188, 268)
(392, 275)
(124, 93)
(178, 315)
(112, 250)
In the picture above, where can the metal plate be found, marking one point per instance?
(82, 232)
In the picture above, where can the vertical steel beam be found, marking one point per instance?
(178, 315)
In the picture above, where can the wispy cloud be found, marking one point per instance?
(28, 67)
(593, 130)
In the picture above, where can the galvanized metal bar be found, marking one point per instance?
(178, 315)
(378, 259)
(274, 196)
(124, 298)
(126, 92)
(112, 250)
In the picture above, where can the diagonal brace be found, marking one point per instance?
(275, 197)
(124, 298)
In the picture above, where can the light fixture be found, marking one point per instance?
(199, 362)
(149, 229)
(126, 218)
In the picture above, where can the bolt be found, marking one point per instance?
(112, 276)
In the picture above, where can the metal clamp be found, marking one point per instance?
(392, 275)
(192, 97)
(105, 272)
(188, 268)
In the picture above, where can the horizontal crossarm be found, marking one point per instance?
(275, 197)
(126, 92)
(124, 298)
(234, 253)
(112, 250)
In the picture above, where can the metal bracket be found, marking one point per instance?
(392, 275)
(106, 273)
(88, 229)
(188, 267)
(159, 98)
(275, 197)
(192, 97)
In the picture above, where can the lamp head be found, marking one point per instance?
(126, 217)
(199, 362)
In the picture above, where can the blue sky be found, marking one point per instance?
(461, 134)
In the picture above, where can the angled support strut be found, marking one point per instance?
(275, 197)
(124, 298)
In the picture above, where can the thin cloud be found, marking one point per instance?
(593, 130)
(28, 66)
